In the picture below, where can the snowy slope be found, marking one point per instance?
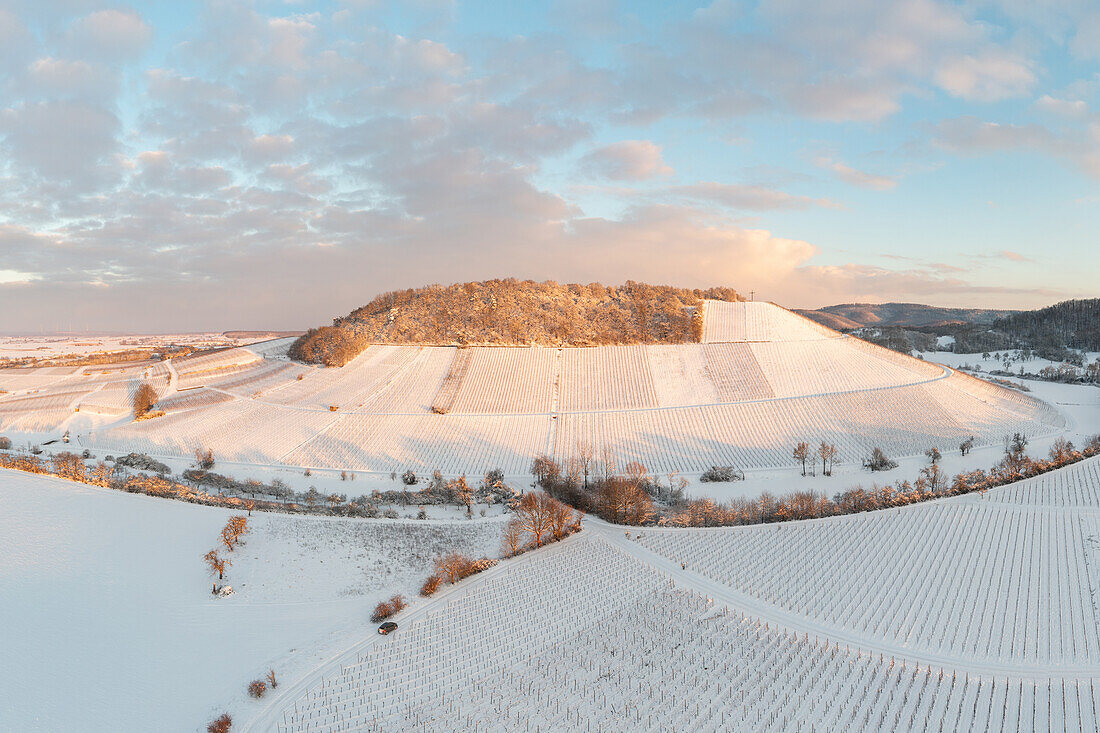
(962, 614)
(763, 380)
(108, 619)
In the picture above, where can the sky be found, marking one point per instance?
(192, 165)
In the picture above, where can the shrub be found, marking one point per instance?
(388, 608)
(879, 461)
(431, 585)
(204, 458)
(221, 724)
(408, 478)
(722, 473)
(455, 566)
(257, 688)
(5, 443)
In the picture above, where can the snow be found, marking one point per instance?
(672, 408)
(968, 613)
(677, 409)
(996, 361)
(958, 614)
(109, 620)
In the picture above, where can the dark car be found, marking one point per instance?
(387, 628)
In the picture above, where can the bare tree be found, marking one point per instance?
(607, 463)
(828, 453)
(216, 564)
(204, 458)
(801, 454)
(1061, 450)
(585, 455)
(545, 469)
(512, 537)
(232, 531)
(463, 493)
(561, 519)
(533, 514)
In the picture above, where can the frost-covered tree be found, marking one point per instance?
(801, 453)
(512, 537)
(828, 453)
(463, 493)
(216, 564)
(204, 459)
(879, 461)
(234, 528)
(145, 396)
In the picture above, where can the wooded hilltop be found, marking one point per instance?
(514, 312)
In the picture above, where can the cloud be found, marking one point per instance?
(816, 284)
(970, 135)
(990, 77)
(52, 77)
(110, 35)
(629, 160)
(742, 196)
(280, 166)
(1086, 41)
(856, 177)
(62, 142)
(10, 277)
(1067, 108)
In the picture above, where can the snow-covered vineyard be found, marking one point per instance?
(762, 380)
(965, 614)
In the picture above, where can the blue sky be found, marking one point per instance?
(210, 165)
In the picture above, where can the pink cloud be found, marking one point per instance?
(629, 160)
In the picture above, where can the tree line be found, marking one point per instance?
(634, 497)
(510, 311)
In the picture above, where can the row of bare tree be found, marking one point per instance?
(235, 528)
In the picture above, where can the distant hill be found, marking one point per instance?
(260, 334)
(907, 315)
(1072, 324)
(514, 312)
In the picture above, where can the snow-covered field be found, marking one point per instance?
(763, 380)
(1009, 360)
(51, 347)
(962, 614)
(969, 613)
(109, 624)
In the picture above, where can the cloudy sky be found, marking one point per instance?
(210, 165)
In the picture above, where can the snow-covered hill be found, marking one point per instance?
(957, 615)
(109, 623)
(762, 380)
